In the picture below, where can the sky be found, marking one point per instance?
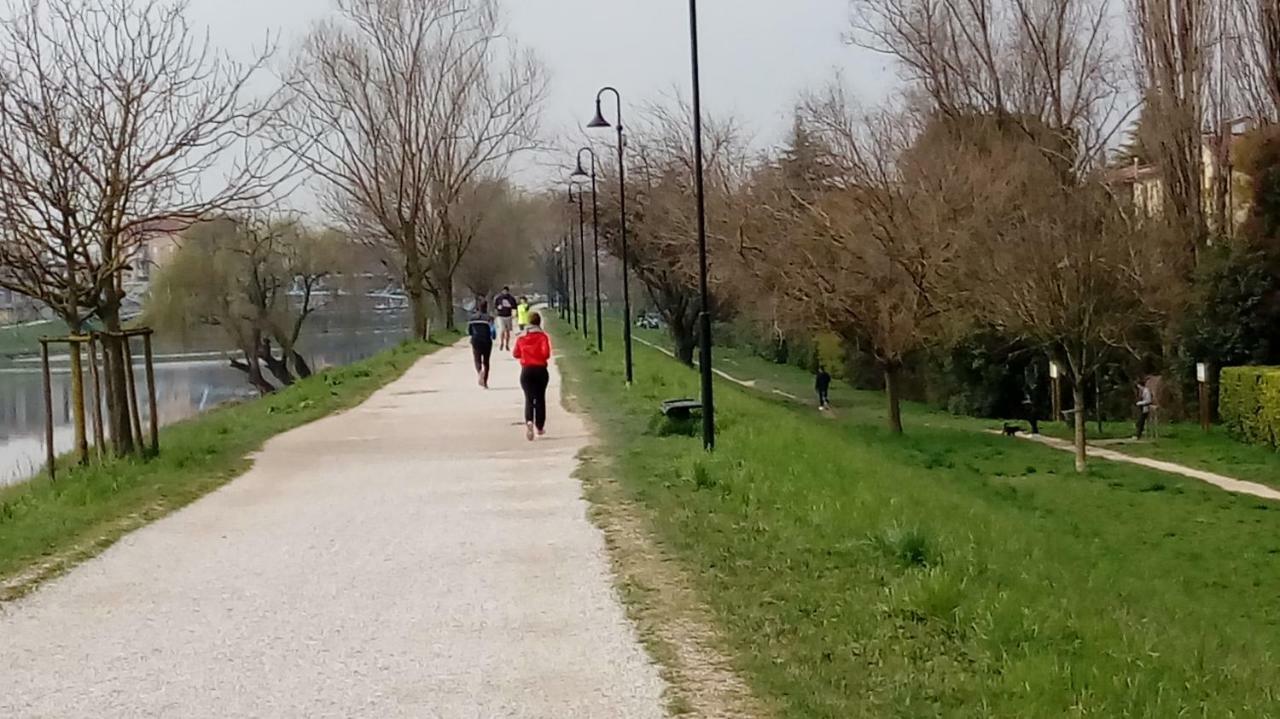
(757, 56)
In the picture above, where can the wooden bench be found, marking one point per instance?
(681, 409)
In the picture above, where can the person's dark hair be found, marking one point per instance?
(535, 319)
(482, 306)
(505, 288)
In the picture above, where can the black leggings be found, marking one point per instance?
(480, 353)
(533, 380)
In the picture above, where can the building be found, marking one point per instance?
(158, 242)
(16, 307)
(1143, 184)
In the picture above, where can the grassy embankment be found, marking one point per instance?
(47, 526)
(1180, 442)
(24, 339)
(948, 572)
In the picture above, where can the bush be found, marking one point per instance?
(1249, 403)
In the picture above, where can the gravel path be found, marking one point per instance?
(414, 557)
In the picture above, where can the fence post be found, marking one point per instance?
(151, 392)
(48, 409)
(99, 440)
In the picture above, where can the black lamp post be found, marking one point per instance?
(704, 316)
(573, 272)
(599, 122)
(581, 174)
(582, 255)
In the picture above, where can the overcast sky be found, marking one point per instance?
(757, 55)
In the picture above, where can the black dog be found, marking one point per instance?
(1011, 430)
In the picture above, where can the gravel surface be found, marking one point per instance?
(413, 557)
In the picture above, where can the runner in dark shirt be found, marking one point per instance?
(504, 306)
(480, 328)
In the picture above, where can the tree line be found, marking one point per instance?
(985, 207)
(118, 118)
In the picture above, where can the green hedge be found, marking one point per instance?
(1249, 403)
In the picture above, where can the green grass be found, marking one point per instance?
(949, 572)
(1180, 442)
(25, 339)
(45, 525)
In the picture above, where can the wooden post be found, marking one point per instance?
(151, 392)
(98, 439)
(1097, 398)
(1055, 382)
(48, 409)
(1202, 380)
(133, 389)
(77, 399)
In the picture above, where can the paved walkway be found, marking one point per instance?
(1231, 485)
(414, 557)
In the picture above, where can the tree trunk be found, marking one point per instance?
(1077, 394)
(300, 366)
(117, 384)
(891, 394)
(278, 366)
(77, 402)
(444, 304)
(413, 287)
(251, 367)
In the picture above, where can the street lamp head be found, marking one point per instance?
(579, 173)
(598, 121)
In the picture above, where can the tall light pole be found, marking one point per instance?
(598, 122)
(582, 255)
(581, 174)
(573, 272)
(704, 316)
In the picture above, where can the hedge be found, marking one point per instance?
(1249, 403)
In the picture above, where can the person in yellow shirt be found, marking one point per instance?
(522, 314)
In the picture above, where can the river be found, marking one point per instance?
(192, 375)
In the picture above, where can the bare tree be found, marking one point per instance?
(1174, 44)
(661, 220)
(402, 107)
(868, 252)
(1040, 64)
(1253, 41)
(114, 115)
(255, 277)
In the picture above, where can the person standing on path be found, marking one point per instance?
(533, 349)
(1145, 402)
(480, 328)
(522, 314)
(504, 305)
(822, 383)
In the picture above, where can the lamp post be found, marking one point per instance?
(581, 174)
(704, 316)
(573, 272)
(582, 255)
(600, 122)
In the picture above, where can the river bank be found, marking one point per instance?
(47, 526)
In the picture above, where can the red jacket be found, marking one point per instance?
(533, 349)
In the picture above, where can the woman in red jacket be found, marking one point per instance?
(533, 349)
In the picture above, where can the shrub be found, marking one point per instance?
(1249, 403)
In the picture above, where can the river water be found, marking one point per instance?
(192, 375)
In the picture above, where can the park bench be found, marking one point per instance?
(680, 409)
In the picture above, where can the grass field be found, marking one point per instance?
(1183, 443)
(948, 572)
(25, 339)
(46, 526)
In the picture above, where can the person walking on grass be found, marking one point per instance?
(480, 329)
(1146, 402)
(822, 383)
(504, 306)
(533, 349)
(522, 314)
